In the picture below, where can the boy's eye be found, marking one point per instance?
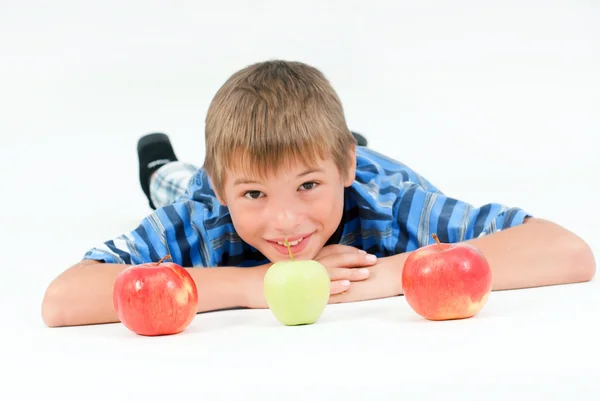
(253, 194)
(308, 185)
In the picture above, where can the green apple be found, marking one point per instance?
(297, 292)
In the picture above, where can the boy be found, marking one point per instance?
(280, 165)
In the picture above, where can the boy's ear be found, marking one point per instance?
(349, 179)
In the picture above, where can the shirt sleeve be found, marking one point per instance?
(171, 230)
(419, 213)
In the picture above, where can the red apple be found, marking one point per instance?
(154, 299)
(446, 281)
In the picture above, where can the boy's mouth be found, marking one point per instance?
(292, 243)
(297, 244)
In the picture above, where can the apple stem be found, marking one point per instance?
(435, 237)
(289, 249)
(164, 257)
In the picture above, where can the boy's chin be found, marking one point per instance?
(275, 256)
(282, 258)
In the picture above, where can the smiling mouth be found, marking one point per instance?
(292, 243)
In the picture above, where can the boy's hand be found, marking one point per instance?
(344, 265)
(385, 281)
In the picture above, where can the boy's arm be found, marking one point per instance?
(82, 294)
(534, 254)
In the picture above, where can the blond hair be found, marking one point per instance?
(271, 115)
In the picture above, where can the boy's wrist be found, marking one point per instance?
(252, 295)
(395, 264)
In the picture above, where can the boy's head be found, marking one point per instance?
(279, 154)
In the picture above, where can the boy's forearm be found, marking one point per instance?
(83, 294)
(537, 253)
(534, 254)
(229, 287)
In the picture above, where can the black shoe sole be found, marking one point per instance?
(152, 147)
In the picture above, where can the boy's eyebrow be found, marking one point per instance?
(310, 171)
(244, 180)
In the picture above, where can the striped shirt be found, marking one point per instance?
(389, 209)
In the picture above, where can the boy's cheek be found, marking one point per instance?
(248, 224)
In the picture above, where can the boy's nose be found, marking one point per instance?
(286, 220)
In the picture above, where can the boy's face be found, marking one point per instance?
(300, 204)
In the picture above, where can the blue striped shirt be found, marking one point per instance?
(389, 209)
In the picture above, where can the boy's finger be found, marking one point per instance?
(336, 249)
(339, 286)
(337, 274)
(350, 259)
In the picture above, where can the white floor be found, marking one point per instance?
(496, 103)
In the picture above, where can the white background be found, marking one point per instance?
(491, 101)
